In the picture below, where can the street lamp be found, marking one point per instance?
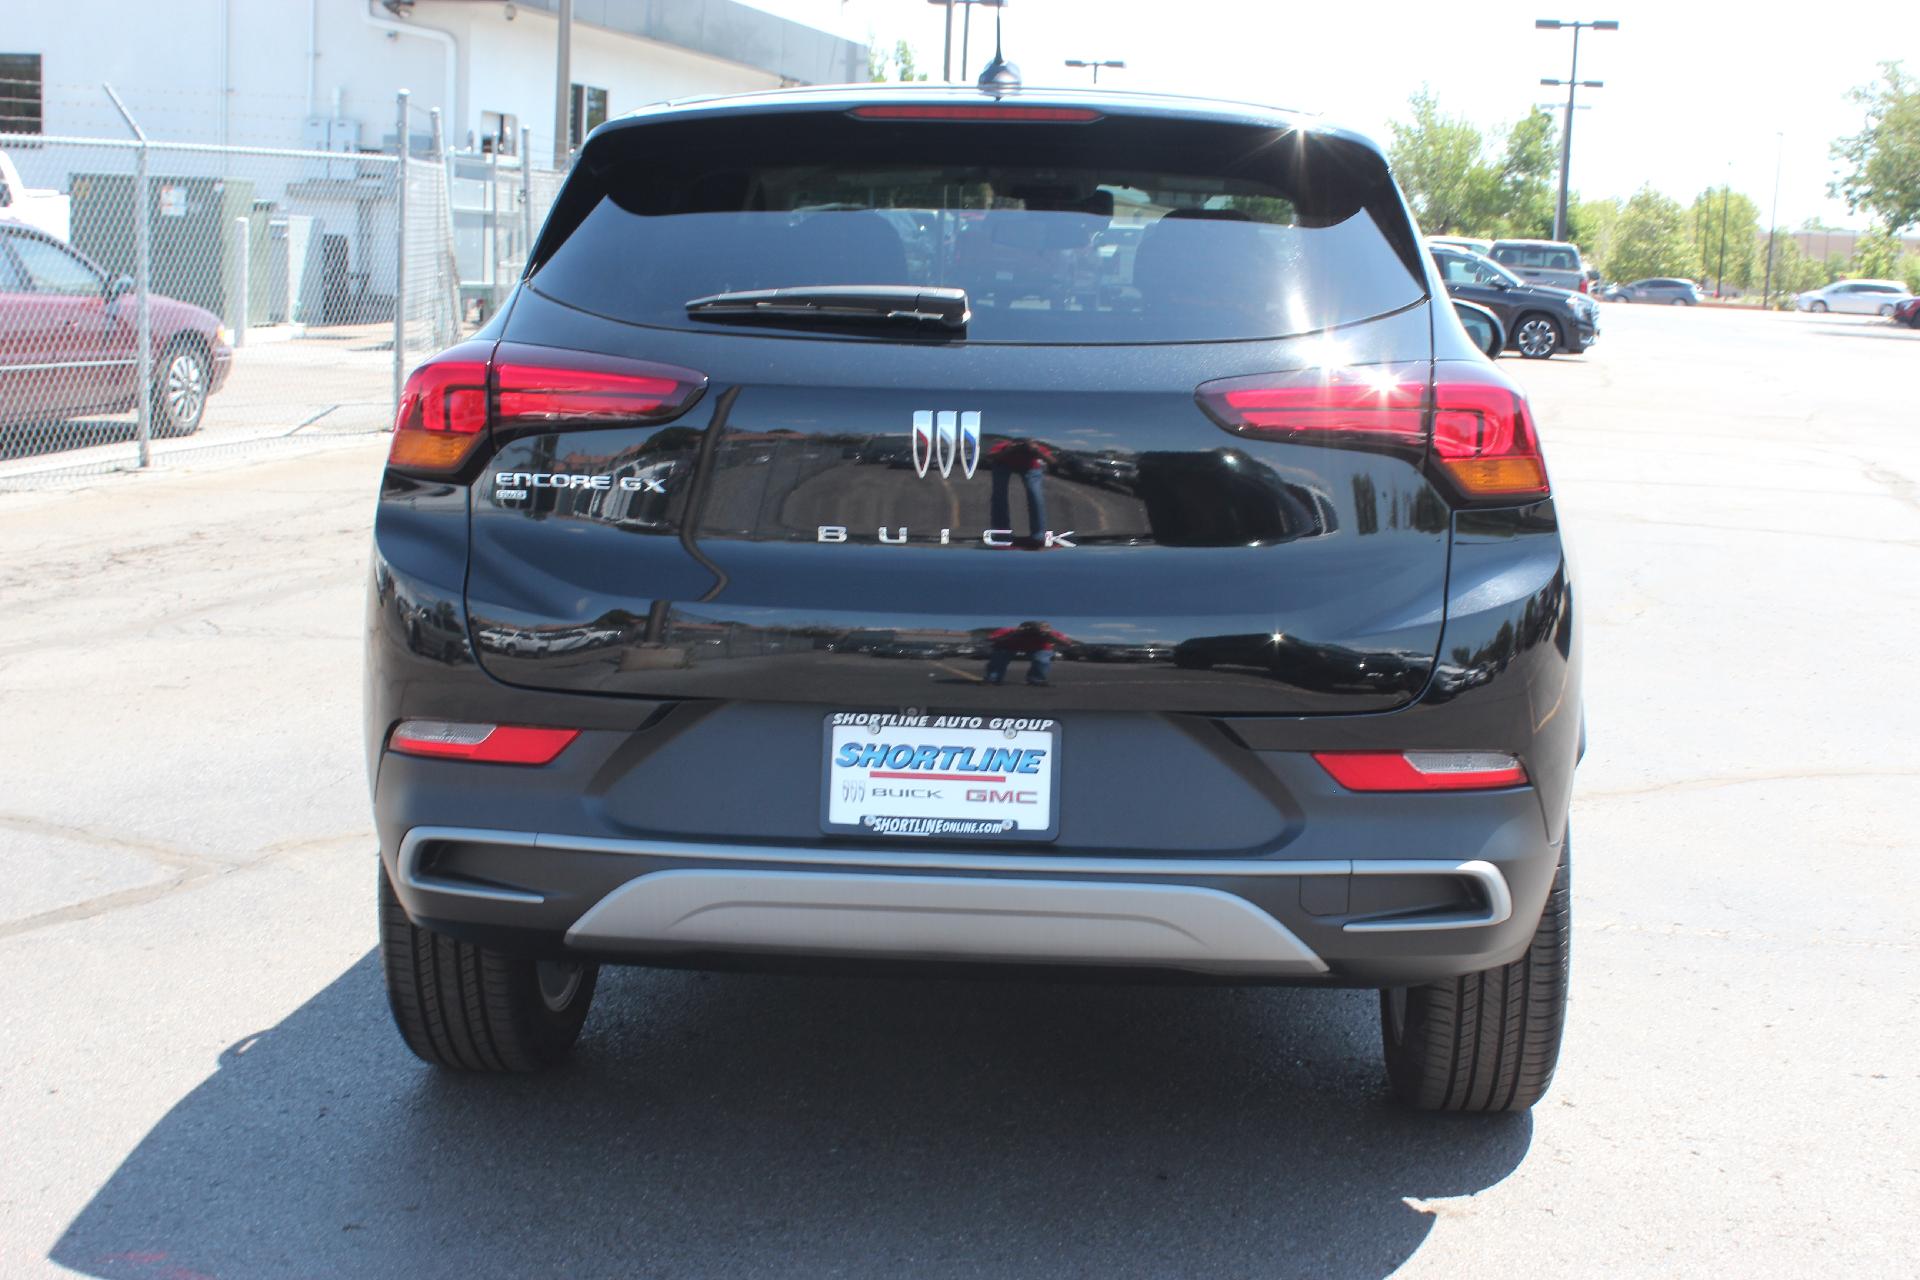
(1096, 64)
(1572, 82)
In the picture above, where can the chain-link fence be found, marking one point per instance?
(282, 294)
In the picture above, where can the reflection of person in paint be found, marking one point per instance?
(1029, 460)
(1034, 639)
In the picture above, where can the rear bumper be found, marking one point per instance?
(1362, 921)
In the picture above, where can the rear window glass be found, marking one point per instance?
(1123, 230)
(1537, 257)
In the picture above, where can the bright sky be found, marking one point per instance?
(1695, 92)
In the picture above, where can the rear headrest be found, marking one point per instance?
(1207, 258)
(849, 248)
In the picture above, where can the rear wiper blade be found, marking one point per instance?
(839, 304)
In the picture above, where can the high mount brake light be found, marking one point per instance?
(1476, 423)
(483, 743)
(1423, 770)
(448, 401)
(988, 114)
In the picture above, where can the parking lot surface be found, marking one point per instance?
(201, 1079)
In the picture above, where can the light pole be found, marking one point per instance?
(1773, 219)
(1720, 272)
(1096, 64)
(1572, 82)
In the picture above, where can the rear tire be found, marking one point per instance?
(1886, 310)
(180, 390)
(471, 1008)
(1488, 1041)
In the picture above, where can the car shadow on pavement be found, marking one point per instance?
(31, 439)
(746, 1125)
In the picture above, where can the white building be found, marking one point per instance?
(324, 75)
(274, 73)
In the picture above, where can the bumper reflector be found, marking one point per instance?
(486, 743)
(1423, 770)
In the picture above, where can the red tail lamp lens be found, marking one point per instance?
(443, 410)
(485, 743)
(1326, 405)
(547, 386)
(1423, 770)
(1483, 432)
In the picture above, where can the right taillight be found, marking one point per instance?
(1475, 422)
(449, 401)
(1483, 432)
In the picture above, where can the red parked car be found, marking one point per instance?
(67, 341)
(1908, 313)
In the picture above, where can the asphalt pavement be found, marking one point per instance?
(200, 1078)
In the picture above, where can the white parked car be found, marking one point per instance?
(1860, 297)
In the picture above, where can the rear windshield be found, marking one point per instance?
(1537, 257)
(1123, 230)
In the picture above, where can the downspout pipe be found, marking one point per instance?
(444, 39)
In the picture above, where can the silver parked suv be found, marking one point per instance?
(1548, 262)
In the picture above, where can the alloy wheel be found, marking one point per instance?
(1537, 338)
(183, 393)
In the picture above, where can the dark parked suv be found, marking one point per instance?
(613, 714)
(1540, 320)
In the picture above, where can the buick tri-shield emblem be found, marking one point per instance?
(942, 437)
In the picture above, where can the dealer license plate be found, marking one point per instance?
(946, 777)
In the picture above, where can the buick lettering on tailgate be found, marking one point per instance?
(950, 776)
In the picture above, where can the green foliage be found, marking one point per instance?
(1651, 239)
(1745, 253)
(1526, 185)
(1793, 271)
(1591, 225)
(899, 65)
(1876, 256)
(1457, 188)
(1883, 159)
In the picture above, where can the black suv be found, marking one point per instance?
(791, 370)
(1540, 320)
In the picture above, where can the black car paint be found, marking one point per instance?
(1480, 652)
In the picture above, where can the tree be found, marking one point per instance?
(1876, 255)
(1651, 239)
(899, 65)
(1457, 187)
(1437, 159)
(1742, 231)
(1793, 271)
(1591, 225)
(1883, 159)
(1526, 176)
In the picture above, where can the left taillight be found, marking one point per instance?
(485, 743)
(443, 411)
(449, 402)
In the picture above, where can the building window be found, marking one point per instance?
(587, 113)
(20, 109)
(500, 133)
